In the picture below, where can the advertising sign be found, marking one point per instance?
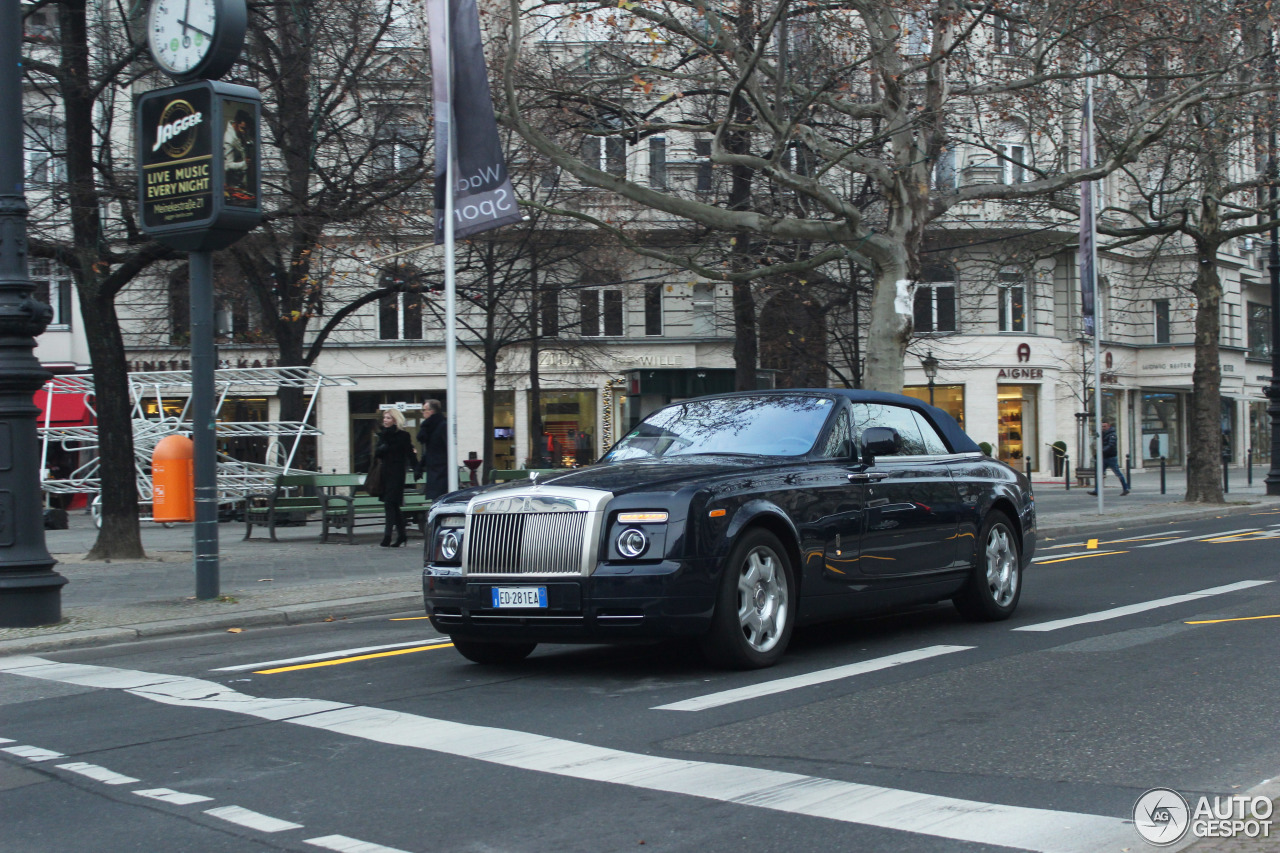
(198, 164)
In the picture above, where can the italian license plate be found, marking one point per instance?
(519, 596)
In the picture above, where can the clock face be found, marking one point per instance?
(181, 33)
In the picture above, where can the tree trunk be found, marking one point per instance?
(1204, 439)
(889, 328)
(119, 538)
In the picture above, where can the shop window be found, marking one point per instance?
(568, 430)
(935, 308)
(1016, 407)
(653, 309)
(658, 162)
(1259, 324)
(1161, 427)
(601, 313)
(53, 287)
(1161, 320)
(949, 398)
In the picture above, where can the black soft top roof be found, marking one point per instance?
(955, 437)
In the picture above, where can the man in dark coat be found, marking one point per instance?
(433, 437)
(1111, 457)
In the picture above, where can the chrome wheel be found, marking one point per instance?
(993, 587)
(762, 599)
(1002, 566)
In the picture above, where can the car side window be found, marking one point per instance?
(933, 443)
(838, 444)
(866, 415)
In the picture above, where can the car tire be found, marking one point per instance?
(994, 585)
(755, 606)
(494, 654)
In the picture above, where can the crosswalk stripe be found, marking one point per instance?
(1046, 830)
(779, 685)
(98, 774)
(1130, 609)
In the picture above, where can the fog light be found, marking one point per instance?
(450, 543)
(632, 543)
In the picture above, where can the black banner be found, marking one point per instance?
(483, 198)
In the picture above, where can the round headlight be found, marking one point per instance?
(450, 543)
(632, 543)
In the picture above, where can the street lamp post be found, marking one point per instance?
(1273, 392)
(930, 365)
(30, 590)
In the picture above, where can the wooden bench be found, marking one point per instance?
(351, 510)
(293, 499)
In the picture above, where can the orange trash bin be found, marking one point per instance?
(173, 487)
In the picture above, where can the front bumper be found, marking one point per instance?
(614, 604)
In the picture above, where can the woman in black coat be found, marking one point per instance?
(395, 451)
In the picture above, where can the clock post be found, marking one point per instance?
(198, 191)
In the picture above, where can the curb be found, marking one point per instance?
(285, 614)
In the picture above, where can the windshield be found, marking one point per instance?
(740, 426)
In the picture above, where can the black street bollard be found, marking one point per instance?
(1249, 456)
(1066, 470)
(1162, 480)
(1128, 468)
(1028, 467)
(1226, 477)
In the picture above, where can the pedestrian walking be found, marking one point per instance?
(395, 452)
(433, 437)
(1111, 457)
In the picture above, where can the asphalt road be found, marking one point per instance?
(1130, 665)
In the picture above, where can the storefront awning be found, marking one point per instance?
(62, 410)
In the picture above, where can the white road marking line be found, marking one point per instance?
(1117, 612)
(177, 798)
(1107, 542)
(1093, 553)
(99, 774)
(350, 845)
(780, 685)
(326, 655)
(1044, 830)
(251, 819)
(7, 740)
(1196, 538)
(32, 753)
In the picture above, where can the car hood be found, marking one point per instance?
(660, 474)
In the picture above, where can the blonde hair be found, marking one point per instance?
(397, 416)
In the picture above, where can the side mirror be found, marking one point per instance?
(879, 441)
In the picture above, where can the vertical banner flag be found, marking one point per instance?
(1088, 275)
(483, 197)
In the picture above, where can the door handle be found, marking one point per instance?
(868, 476)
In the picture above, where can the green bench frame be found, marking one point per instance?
(293, 495)
(351, 510)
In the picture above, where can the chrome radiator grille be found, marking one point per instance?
(526, 543)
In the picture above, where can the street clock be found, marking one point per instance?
(196, 39)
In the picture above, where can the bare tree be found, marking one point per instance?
(80, 63)
(843, 157)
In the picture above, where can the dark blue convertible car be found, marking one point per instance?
(729, 520)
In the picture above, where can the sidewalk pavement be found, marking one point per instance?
(299, 580)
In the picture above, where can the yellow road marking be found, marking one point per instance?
(1238, 537)
(1111, 542)
(1238, 619)
(1092, 544)
(1081, 557)
(407, 618)
(351, 659)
